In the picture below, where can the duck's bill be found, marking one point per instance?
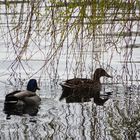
(38, 88)
(107, 75)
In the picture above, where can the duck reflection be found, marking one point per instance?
(98, 100)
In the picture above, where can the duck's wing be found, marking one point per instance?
(78, 81)
(23, 94)
(10, 98)
(100, 101)
(32, 100)
(82, 87)
(15, 95)
(12, 93)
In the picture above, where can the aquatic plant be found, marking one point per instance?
(81, 31)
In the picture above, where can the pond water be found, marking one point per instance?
(118, 118)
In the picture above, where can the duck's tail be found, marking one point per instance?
(10, 98)
(62, 97)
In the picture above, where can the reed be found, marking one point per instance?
(81, 31)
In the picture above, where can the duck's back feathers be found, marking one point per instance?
(22, 94)
(76, 83)
(86, 88)
(32, 100)
(25, 96)
(10, 98)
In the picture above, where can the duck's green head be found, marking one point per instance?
(32, 85)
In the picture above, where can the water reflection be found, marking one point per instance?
(117, 119)
(124, 117)
(97, 99)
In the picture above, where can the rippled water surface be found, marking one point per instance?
(118, 118)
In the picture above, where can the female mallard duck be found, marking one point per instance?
(82, 87)
(18, 102)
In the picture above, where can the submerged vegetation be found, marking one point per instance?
(80, 34)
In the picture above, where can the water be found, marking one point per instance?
(118, 118)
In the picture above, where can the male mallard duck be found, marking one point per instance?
(18, 102)
(82, 87)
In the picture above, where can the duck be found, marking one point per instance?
(21, 102)
(83, 87)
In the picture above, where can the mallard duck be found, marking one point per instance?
(18, 102)
(83, 87)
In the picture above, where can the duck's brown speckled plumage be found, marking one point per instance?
(82, 87)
